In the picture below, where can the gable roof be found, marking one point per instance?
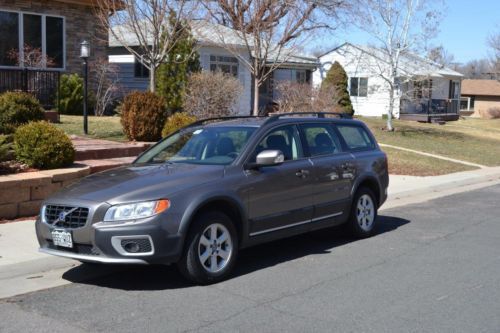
(211, 34)
(481, 87)
(410, 63)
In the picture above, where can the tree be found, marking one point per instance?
(172, 75)
(396, 27)
(335, 83)
(142, 27)
(494, 43)
(440, 56)
(270, 31)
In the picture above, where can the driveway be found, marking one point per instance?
(432, 267)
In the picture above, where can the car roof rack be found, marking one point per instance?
(277, 116)
(207, 120)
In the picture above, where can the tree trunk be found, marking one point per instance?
(152, 80)
(255, 110)
(389, 112)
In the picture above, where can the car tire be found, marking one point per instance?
(363, 215)
(210, 250)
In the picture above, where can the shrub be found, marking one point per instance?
(177, 121)
(70, 94)
(44, 146)
(16, 109)
(143, 115)
(211, 94)
(5, 147)
(491, 113)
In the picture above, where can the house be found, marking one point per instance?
(132, 75)
(52, 28)
(478, 96)
(426, 90)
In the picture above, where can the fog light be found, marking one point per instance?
(132, 247)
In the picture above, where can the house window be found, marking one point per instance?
(31, 40)
(140, 71)
(467, 103)
(300, 76)
(225, 64)
(359, 86)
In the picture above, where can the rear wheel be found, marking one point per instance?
(363, 213)
(211, 249)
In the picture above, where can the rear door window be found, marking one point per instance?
(320, 139)
(356, 137)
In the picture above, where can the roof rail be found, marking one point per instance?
(317, 114)
(206, 120)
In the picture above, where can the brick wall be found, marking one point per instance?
(22, 194)
(81, 24)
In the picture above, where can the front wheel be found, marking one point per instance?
(211, 249)
(363, 213)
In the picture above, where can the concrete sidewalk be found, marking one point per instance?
(24, 269)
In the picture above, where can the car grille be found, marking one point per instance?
(77, 217)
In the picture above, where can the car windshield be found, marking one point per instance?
(208, 145)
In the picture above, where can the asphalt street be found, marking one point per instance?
(432, 267)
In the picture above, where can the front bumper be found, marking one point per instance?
(101, 243)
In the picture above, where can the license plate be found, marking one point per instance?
(62, 238)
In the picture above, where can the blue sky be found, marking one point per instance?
(463, 31)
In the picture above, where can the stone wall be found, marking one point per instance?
(22, 194)
(81, 24)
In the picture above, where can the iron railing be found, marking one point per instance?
(430, 107)
(43, 84)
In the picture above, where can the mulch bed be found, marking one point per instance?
(13, 167)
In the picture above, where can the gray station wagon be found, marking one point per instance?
(219, 185)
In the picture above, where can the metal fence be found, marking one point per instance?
(43, 84)
(430, 107)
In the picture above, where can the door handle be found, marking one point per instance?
(302, 173)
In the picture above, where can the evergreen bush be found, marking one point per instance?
(16, 109)
(43, 146)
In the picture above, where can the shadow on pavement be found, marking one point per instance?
(159, 277)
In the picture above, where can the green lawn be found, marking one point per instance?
(472, 140)
(99, 127)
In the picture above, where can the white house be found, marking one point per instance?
(132, 75)
(426, 90)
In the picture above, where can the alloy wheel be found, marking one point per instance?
(365, 212)
(215, 248)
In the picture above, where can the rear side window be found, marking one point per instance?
(356, 137)
(320, 139)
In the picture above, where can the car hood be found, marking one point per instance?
(139, 182)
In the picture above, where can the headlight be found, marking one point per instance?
(42, 214)
(136, 210)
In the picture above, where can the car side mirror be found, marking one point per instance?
(267, 158)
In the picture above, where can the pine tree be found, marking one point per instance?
(172, 75)
(336, 82)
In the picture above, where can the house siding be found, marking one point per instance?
(127, 82)
(376, 101)
(80, 24)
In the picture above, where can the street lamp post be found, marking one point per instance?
(84, 54)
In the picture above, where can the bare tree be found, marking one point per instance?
(107, 86)
(148, 29)
(494, 43)
(396, 27)
(265, 33)
(440, 56)
(31, 57)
